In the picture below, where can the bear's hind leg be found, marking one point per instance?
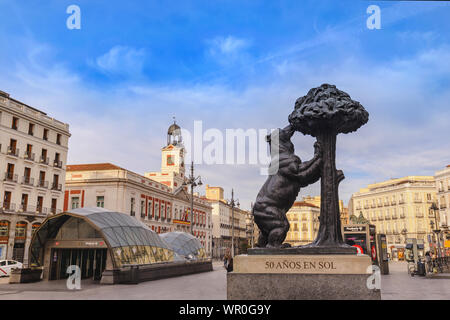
(277, 235)
(262, 240)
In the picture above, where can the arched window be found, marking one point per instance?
(21, 231)
(34, 227)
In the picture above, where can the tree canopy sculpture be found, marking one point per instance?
(324, 113)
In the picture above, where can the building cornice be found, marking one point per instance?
(35, 116)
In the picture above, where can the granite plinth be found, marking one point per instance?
(303, 250)
(301, 277)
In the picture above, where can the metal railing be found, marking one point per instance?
(43, 160)
(42, 184)
(10, 176)
(7, 207)
(12, 151)
(56, 186)
(57, 164)
(27, 180)
(29, 156)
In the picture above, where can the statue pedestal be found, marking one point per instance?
(300, 277)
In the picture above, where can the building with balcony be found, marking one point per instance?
(223, 223)
(33, 154)
(399, 208)
(304, 223)
(342, 209)
(442, 178)
(162, 207)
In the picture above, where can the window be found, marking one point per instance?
(15, 123)
(170, 160)
(142, 208)
(39, 204)
(75, 202)
(58, 139)
(45, 135)
(132, 212)
(12, 147)
(150, 209)
(31, 129)
(44, 158)
(29, 152)
(101, 201)
(54, 204)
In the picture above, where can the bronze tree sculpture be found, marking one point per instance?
(324, 113)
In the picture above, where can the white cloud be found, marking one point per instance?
(406, 134)
(228, 50)
(121, 60)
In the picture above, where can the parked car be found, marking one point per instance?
(7, 265)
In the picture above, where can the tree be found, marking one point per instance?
(324, 113)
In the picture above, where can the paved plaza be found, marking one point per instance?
(211, 286)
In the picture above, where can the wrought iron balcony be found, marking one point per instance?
(7, 207)
(57, 164)
(56, 186)
(12, 151)
(42, 184)
(29, 156)
(43, 160)
(55, 211)
(10, 176)
(27, 180)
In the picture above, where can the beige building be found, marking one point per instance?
(442, 178)
(304, 223)
(223, 223)
(342, 209)
(33, 154)
(161, 205)
(399, 208)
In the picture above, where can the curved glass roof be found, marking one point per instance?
(120, 229)
(130, 241)
(184, 244)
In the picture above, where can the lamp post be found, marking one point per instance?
(252, 221)
(437, 231)
(233, 203)
(404, 232)
(193, 182)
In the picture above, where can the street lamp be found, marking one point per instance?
(193, 182)
(233, 203)
(435, 208)
(404, 233)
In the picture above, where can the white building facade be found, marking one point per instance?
(33, 155)
(223, 223)
(158, 199)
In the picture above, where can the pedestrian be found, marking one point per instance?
(230, 264)
(226, 259)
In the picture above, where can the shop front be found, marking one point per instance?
(20, 238)
(4, 239)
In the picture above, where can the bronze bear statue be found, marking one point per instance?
(281, 188)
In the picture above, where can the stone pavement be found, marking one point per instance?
(398, 284)
(201, 286)
(211, 286)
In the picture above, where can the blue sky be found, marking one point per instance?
(234, 64)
